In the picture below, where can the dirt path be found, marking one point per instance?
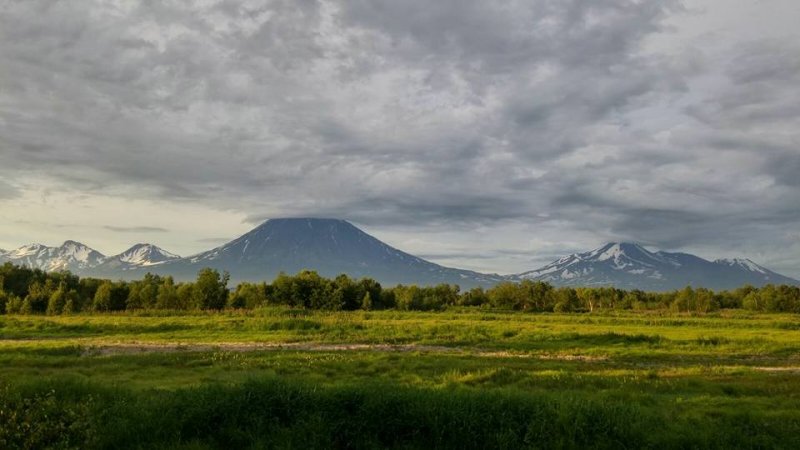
(778, 369)
(139, 348)
(128, 348)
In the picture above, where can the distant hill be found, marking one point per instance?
(632, 266)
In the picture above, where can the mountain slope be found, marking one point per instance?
(71, 255)
(138, 256)
(631, 266)
(329, 246)
(332, 247)
(145, 255)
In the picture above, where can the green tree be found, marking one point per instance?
(134, 300)
(4, 298)
(474, 297)
(102, 297)
(507, 295)
(211, 289)
(247, 295)
(771, 299)
(704, 301)
(408, 297)
(14, 304)
(148, 292)
(752, 301)
(38, 296)
(87, 288)
(374, 289)
(186, 296)
(566, 300)
(70, 306)
(26, 307)
(684, 300)
(281, 291)
(167, 297)
(366, 303)
(344, 294)
(388, 299)
(57, 300)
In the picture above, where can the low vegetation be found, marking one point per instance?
(281, 365)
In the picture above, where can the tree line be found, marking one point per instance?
(32, 291)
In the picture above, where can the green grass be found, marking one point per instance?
(461, 378)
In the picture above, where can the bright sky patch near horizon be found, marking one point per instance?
(494, 136)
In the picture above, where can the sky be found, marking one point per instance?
(494, 136)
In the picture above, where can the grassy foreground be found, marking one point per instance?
(280, 378)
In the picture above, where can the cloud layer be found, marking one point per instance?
(506, 132)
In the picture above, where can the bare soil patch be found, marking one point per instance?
(167, 347)
(778, 369)
(133, 348)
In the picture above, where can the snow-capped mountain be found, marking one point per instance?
(83, 260)
(144, 255)
(632, 266)
(71, 255)
(332, 247)
(743, 263)
(328, 246)
(597, 264)
(136, 257)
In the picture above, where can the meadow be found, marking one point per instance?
(465, 377)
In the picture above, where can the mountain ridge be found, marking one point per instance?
(629, 265)
(80, 258)
(328, 246)
(71, 255)
(334, 246)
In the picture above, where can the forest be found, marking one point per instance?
(32, 291)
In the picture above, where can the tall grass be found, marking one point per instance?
(275, 413)
(497, 379)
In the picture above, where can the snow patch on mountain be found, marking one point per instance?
(81, 259)
(328, 246)
(743, 263)
(146, 255)
(332, 247)
(632, 266)
(632, 258)
(71, 255)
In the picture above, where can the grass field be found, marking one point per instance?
(280, 378)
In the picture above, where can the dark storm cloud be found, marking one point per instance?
(206, 69)
(447, 114)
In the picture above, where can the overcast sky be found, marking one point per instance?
(487, 135)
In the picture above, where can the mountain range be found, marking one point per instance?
(332, 246)
(81, 259)
(631, 266)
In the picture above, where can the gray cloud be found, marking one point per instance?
(214, 241)
(556, 118)
(136, 229)
(7, 190)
